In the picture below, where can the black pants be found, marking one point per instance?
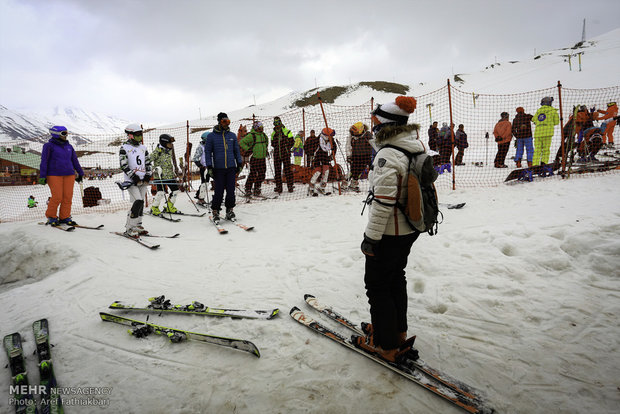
(258, 166)
(280, 164)
(224, 179)
(386, 288)
(502, 151)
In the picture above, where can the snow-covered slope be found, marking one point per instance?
(517, 295)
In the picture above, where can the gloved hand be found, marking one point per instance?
(135, 179)
(239, 169)
(147, 178)
(210, 171)
(369, 246)
(593, 109)
(79, 178)
(42, 180)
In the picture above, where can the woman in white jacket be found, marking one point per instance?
(388, 237)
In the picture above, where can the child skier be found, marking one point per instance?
(204, 176)
(165, 175)
(31, 202)
(321, 162)
(136, 164)
(358, 151)
(298, 147)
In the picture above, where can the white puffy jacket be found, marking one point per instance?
(388, 181)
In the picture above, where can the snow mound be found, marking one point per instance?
(27, 260)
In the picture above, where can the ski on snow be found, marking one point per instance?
(240, 225)
(23, 401)
(452, 206)
(99, 227)
(217, 225)
(137, 240)
(62, 227)
(140, 329)
(162, 305)
(456, 385)
(417, 371)
(174, 236)
(50, 402)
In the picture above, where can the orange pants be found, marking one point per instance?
(609, 132)
(61, 187)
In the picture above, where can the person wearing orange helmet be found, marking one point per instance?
(359, 152)
(321, 161)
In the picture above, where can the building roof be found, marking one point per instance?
(28, 159)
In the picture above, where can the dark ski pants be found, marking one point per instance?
(386, 288)
(224, 179)
(280, 164)
(502, 151)
(258, 166)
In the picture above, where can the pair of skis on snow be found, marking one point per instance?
(161, 305)
(416, 370)
(137, 239)
(24, 401)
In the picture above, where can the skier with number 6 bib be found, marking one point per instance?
(136, 164)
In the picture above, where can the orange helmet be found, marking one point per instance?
(328, 132)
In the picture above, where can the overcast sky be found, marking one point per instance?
(171, 60)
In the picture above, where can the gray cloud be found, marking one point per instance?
(158, 60)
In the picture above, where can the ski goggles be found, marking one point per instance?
(64, 133)
(136, 133)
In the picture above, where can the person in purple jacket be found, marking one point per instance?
(59, 163)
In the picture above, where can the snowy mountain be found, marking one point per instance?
(33, 126)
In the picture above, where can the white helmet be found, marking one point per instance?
(131, 128)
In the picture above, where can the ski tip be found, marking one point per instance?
(294, 309)
(308, 296)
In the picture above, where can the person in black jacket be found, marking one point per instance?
(433, 134)
(461, 143)
(522, 131)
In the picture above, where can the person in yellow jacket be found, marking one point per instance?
(545, 119)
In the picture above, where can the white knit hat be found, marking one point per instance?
(395, 112)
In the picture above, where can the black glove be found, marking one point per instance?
(593, 109)
(147, 178)
(369, 246)
(79, 178)
(135, 179)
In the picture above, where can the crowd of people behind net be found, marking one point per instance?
(263, 161)
(533, 135)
